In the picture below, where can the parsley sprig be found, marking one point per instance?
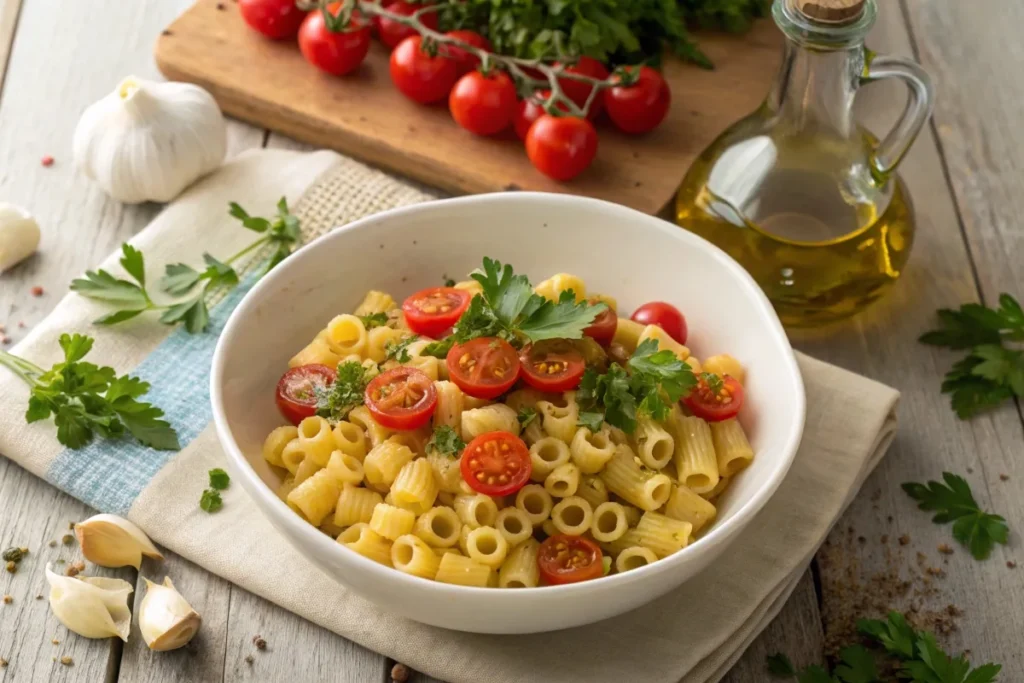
(86, 399)
(650, 384)
(399, 349)
(192, 288)
(336, 401)
(917, 654)
(993, 370)
(953, 501)
(509, 308)
(446, 441)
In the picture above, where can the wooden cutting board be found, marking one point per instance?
(269, 84)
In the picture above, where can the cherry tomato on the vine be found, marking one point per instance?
(392, 33)
(496, 464)
(401, 398)
(432, 311)
(578, 91)
(561, 147)
(529, 110)
(338, 52)
(485, 367)
(276, 19)
(568, 559)
(666, 316)
(640, 107)
(715, 401)
(464, 61)
(419, 75)
(483, 104)
(296, 390)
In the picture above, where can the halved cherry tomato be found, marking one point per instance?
(485, 367)
(402, 398)
(569, 559)
(296, 390)
(640, 107)
(392, 33)
(432, 311)
(578, 91)
(666, 316)
(602, 330)
(715, 406)
(561, 147)
(419, 75)
(496, 464)
(552, 365)
(483, 104)
(464, 61)
(337, 53)
(276, 19)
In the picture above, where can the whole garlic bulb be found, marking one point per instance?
(166, 620)
(19, 235)
(148, 141)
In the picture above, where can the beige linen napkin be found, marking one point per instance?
(693, 634)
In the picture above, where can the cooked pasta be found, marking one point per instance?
(520, 457)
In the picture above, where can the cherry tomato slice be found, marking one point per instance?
(465, 61)
(715, 401)
(569, 559)
(296, 390)
(496, 464)
(337, 53)
(276, 19)
(485, 367)
(420, 76)
(402, 398)
(666, 316)
(432, 311)
(602, 330)
(392, 33)
(553, 365)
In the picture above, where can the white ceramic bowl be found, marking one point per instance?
(618, 251)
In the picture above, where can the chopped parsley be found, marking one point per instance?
(446, 442)
(526, 416)
(219, 479)
(399, 349)
(211, 501)
(335, 402)
(373, 320)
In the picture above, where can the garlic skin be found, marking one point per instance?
(148, 141)
(166, 620)
(112, 541)
(19, 235)
(92, 606)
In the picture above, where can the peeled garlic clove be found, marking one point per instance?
(19, 235)
(166, 619)
(112, 541)
(94, 607)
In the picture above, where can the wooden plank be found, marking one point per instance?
(8, 22)
(363, 115)
(864, 562)
(34, 515)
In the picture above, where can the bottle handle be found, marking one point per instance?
(890, 152)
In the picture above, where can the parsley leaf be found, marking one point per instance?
(85, 399)
(953, 502)
(211, 501)
(991, 373)
(399, 349)
(477, 321)
(131, 297)
(219, 479)
(896, 636)
(858, 666)
(780, 665)
(526, 415)
(335, 402)
(446, 441)
(373, 320)
(607, 398)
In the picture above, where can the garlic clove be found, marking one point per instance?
(93, 607)
(112, 541)
(19, 235)
(166, 620)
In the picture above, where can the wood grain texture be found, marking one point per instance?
(35, 514)
(364, 116)
(857, 566)
(8, 23)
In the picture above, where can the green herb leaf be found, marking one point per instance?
(335, 402)
(659, 379)
(399, 349)
(895, 634)
(219, 273)
(446, 441)
(525, 416)
(193, 313)
(780, 665)
(102, 286)
(211, 501)
(953, 502)
(374, 320)
(252, 223)
(219, 479)
(608, 396)
(133, 263)
(565, 319)
(179, 279)
(858, 666)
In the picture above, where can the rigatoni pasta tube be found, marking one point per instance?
(591, 450)
(369, 544)
(317, 352)
(627, 334)
(462, 571)
(375, 302)
(662, 534)
(275, 444)
(553, 287)
(316, 497)
(476, 510)
(355, 505)
(411, 555)
(731, 446)
(519, 570)
(593, 490)
(654, 445)
(695, 458)
(391, 522)
(415, 484)
(572, 516)
(385, 461)
(497, 417)
(375, 433)
(723, 364)
(439, 527)
(378, 340)
(446, 472)
(449, 406)
(626, 478)
(345, 469)
(307, 468)
(687, 506)
(665, 341)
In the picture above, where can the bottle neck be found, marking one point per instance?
(815, 89)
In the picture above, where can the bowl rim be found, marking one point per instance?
(267, 500)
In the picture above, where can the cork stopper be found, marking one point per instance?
(835, 12)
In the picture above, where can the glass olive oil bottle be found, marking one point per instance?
(805, 199)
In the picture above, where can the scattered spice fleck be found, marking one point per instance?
(71, 526)
(15, 554)
(1004, 477)
(75, 569)
(970, 470)
(53, 544)
(67, 539)
(5, 340)
(166, 32)
(399, 673)
(936, 571)
(259, 642)
(945, 549)
(2, 328)
(954, 611)
(861, 540)
(12, 566)
(47, 161)
(904, 539)
(36, 291)
(220, 6)
(21, 324)
(66, 660)
(39, 597)
(1011, 564)
(512, 187)
(59, 561)
(55, 641)
(8, 599)
(3, 663)
(885, 538)
(249, 659)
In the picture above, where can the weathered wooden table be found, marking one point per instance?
(964, 175)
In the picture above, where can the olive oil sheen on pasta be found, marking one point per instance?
(807, 201)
